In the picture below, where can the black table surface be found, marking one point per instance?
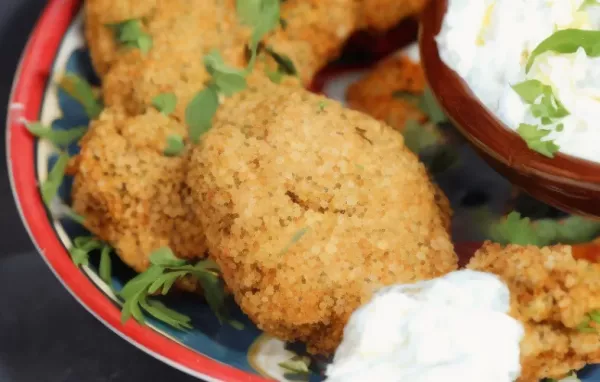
(45, 335)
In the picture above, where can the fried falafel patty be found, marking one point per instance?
(390, 92)
(132, 195)
(552, 294)
(385, 14)
(308, 208)
(181, 38)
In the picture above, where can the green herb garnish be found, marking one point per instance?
(533, 136)
(418, 137)
(588, 3)
(548, 107)
(130, 34)
(175, 145)
(81, 248)
(82, 92)
(227, 79)
(165, 103)
(296, 238)
(164, 271)
(200, 111)
(522, 231)
(59, 138)
(322, 105)
(284, 64)
(568, 41)
(105, 269)
(50, 187)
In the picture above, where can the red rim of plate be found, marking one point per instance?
(25, 105)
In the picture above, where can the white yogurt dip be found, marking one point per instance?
(454, 328)
(488, 43)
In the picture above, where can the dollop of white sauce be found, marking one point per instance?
(487, 42)
(454, 328)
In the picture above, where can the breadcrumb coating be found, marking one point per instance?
(183, 33)
(551, 293)
(308, 208)
(384, 14)
(389, 92)
(132, 195)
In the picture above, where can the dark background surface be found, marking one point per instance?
(45, 335)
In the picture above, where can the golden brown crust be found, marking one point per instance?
(384, 14)
(130, 193)
(551, 294)
(375, 93)
(278, 161)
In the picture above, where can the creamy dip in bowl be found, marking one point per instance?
(521, 79)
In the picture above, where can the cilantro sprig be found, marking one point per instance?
(544, 105)
(164, 271)
(59, 138)
(130, 34)
(588, 3)
(262, 16)
(82, 92)
(80, 254)
(514, 229)
(175, 145)
(567, 41)
(50, 187)
(586, 325)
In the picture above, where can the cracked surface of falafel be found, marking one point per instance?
(308, 208)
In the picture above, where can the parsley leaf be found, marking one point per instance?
(50, 187)
(81, 248)
(164, 271)
(284, 64)
(200, 111)
(59, 138)
(82, 92)
(567, 41)
(130, 34)
(228, 80)
(513, 229)
(175, 145)
(533, 136)
(105, 268)
(165, 103)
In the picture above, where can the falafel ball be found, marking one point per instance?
(552, 294)
(131, 194)
(385, 14)
(390, 92)
(308, 208)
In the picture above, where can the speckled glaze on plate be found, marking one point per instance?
(210, 351)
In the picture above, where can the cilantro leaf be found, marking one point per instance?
(105, 268)
(567, 41)
(164, 271)
(275, 76)
(165, 103)
(81, 248)
(249, 11)
(284, 64)
(517, 230)
(175, 145)
(529, 90)
(82, 92)
(268, 21)
(227, 79)
(130, 34)
(59, 138)
(50, 187)
(200, 111)
(533, 136)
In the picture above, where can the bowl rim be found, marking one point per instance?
(25, 102)
(496, 140)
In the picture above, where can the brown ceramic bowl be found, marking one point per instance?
(565, 182)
